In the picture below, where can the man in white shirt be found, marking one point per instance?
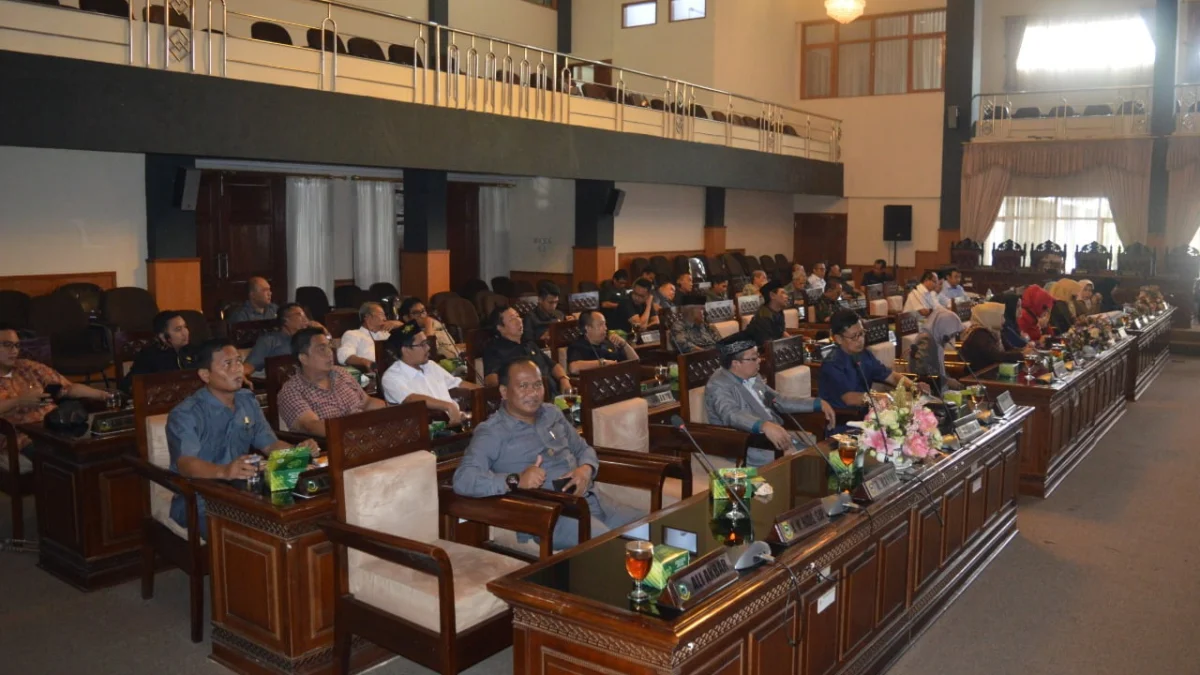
(817, 278)
(415, 378)
(952, 290)
(357, 348)
(923, 298)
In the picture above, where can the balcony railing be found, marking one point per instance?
(1108, 112)
(331, 46)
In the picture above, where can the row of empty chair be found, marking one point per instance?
(1092, 110)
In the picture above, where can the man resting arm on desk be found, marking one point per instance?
(209, 433)
(319, 390)
(528, 444)
(841, 381)
(414, 377)
(737, 397)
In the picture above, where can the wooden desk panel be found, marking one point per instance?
(1150, 354)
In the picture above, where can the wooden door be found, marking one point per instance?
(462, 233)
(819, 236)
(241, 232)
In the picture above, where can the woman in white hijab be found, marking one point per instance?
(1088, 299)
(1066, 304)
(981, 344)
(927, 356)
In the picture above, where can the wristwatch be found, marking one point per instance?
(513, 481)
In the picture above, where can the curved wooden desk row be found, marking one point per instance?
(867, 582)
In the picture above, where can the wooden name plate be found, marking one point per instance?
(881, 481)
(698, 580)
(800, 522)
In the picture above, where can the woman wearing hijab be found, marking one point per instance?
(982, 345)
(1104, 294)
(1011, 336)
(1034, 317)
(1065, 310)
(927, 356)
(1087, 297)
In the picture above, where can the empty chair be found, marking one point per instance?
(403, 55)
(349, 296)
(365, 48)
(1061, 111)
(636, 266)
(314, 301)
(1097, 110)
(383, 289)
(14, 308)
(313, 37)
(749, 262)
(699, 112)
(999, 112)
(662, 268)
(472, 288)
(782, 262)
(77, 346)
(460, 314)
(790, 130)
(715, 265)
(111, 7)
(154, 14)
(87, 295)
(657, 104)
(504, 286)
(270, 32)
(522, 287)
(486, 301)
(718, 116)
(129, 308)
(681, 265)
(733, 267)
(750, 121)
(1028, 112)
(438, 301)
(768, 264)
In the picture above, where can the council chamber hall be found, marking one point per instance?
(821, 337)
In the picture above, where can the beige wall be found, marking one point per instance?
(541, 223)
(660, 218)
(759, 222)
(515, 20)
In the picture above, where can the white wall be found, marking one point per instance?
(541, 221)
(73, 211)
(515, 20)
(660, 218)
(760, 222)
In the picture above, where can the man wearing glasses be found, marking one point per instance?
(849, 371)
(414, 377)
(23, 396)
(635, 310)
(737, 397)
(319, 390)
(412, 309)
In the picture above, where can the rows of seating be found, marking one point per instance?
(1092, 110)
(1135, 259)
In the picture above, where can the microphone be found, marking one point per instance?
(816, 446)
(979, 383)
(678, 423)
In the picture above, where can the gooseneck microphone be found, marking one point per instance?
(678, 423)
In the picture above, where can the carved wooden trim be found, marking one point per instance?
(577, 302)
(312, 661)
(254, 521)
(722, 310)
(876, 330)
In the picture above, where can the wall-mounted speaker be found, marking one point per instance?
(187, 189)
(897, 222)
(615, 199)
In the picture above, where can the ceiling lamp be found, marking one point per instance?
(844, 11)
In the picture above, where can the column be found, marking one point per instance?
(595, 256)
(425, 260)
(714, 221)
(962, 66)
(172, 268)
(1162, 116)
(564, 27)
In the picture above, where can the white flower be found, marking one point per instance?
(889, 419)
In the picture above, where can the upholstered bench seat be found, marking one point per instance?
(895, 304)
(795, 381)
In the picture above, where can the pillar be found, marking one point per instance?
(595, 256)
(425, 260)
(172, 268)
(564, 27)
(1162, 113)
(962, 78)
(714, 221)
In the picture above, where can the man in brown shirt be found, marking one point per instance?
(319, 390)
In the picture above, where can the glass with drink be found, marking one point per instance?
(639, 556)
(1030, 359)
(662, 373)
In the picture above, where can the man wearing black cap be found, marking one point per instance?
(737, 397)
(768, 325)
(690, 333)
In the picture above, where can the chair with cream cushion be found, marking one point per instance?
(784, 367)
(894, 297)
(723, 316)
(907, 325)
(153, 398)
(725, 449)
(476, 341)
(16, 477)
(791, 318)
(877, 304)
(398, 584)
(878, 340)
(561, 335)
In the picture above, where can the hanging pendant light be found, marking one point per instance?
(844, 11)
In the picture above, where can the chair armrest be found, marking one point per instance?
(715, 440)
(811, 422)
(159, 476)
(520, 513)
(297, 438)
(11, 451)
(409, 553)
(642, 471)
(573, 506)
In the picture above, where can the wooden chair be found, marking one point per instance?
(748, 306)
(1183, 261)
(1137, 258)
(577, 302)
(966, 254)
(524, 304)
(154, 396)
(878, 337)
(907, 325)
(1008, 255)
(16, 478)
(279, 369)
(398, 584)
(1093, 257)
(895, 299)
(126, 345)
(723, 316)
(784, 368)
(561, 334)
(477, 340)
(1047, 257)
(338, 321)
(244, 334)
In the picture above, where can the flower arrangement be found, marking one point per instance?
(1149, 301)
(899, 430)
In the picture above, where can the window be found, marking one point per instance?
(1067, 221)
(885, 54)
(683, 10)
(636, 14)
(1078, 52)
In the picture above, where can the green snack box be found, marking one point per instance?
(718, 488)
(667, 561)
(285, 466)
(954, 397)
(1008, 370)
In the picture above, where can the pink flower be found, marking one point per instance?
(916, 446)
(926, 420)
(874, 440)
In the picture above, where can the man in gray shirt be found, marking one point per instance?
(292, 319)
(528, 444)
(258, 305)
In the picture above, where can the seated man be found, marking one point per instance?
(768, 323)
(828, 304)
(414, 377)
(664, 297)
(209, 432)
(952, 289)
(528, 444)
(23, 396)
(849, 371)
(758, 279)
(691, 333)
(683, 284)
(817, 278)
(412, 309)
(319, 390)
(545, 313)
(357, 348)
(736, 397)
(507, 346)
(610, 297)
(798, 288)
(635, 310)
(923, 297)
(258, 305)
(877, 274)
(292, 319)
(167, 353)
(597, 347)
(718, 290)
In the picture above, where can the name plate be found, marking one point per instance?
(967, 431)
(1121, 332)
(1137, 323)
(1060, 369)
(648, 338)
(698, 580)
(881, 481)
(800, 522)
(1004, 404)
(660, 398)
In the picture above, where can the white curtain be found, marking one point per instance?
(375, 234)
(1183, 191)
(1073, 52)
(1129, 197)
(854, 69)
(493, 232)
(1067, 221)
(309, 235)
(982, 196)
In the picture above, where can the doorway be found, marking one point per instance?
(819, 237)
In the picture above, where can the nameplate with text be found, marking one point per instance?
(800, 522)
(1122, 333)
(1060, 369)
(698, 580)
(968, 430)
(880, 482)
(1004, 404)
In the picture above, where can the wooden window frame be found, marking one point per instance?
(671, 17)
(837, 42)
(641, 2)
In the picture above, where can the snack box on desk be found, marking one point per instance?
(285, 466)
(667, 561)
(1008, 370)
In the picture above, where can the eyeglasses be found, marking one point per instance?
(419, 345)
(855, 336)
(14, 346)
(419, 312)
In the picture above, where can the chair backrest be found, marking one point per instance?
(313, 37)
(695, 369)
(780, 355)
(890, 288)
(88, 295)
(1042, 251)
(524, 304)
(875, 291)
(1093, 257)
(680, 264)
(609, 386)
(15, 307)
(129, 307)
(461, 313)
(748, 305)
(339, 321)
(404, 55)
(1183, 261)
(907, 323)
(56, 315)
(279, 369)
(38, 349)
(349, 296)
(1136, 258)
(966, 254)
(487, 301)
(245, 334)
(963, 310)
(314, 300)
(437, 302)
(156, 394)
(876, 330)
(384, 358)
(588, 287)
(749, 263)
(199, 329)
(768, 264)
(504, 286)
(270, 32)
(111, 7)
(562, 334)
(663, 270)
(1008, 255)
(721, 310)
(475, 341)
(733, 265)
(472, 288)
(636, 266)
(365, 48)
(126, 345)
(382, 289)
(715, 265)
(577, 302)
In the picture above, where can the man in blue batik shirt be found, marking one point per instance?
(210, 432)
(841, 384)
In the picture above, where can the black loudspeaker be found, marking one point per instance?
(187, 189)
(897, 222)
(613, 206)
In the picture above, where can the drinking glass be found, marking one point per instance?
(639, 556)
(466, 420)
(1030, 359)
(736, 484)
(662, 373)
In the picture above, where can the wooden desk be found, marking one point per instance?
(886, 577)
(89, 507)
(1148, 355)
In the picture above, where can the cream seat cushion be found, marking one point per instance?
(791, 318)
(562, 359)
(626, 426)
(885, 352)
(160, 455)
(727, 328)
(696, 410)
(895, 304)
(399, 496)
(878, 308)
(906, 343)
(796, 381)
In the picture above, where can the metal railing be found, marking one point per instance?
(472, 71)
(1187, 108)
(1115, 111)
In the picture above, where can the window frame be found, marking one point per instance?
(834, 47)
(1101, 222)
(654, 3)
(671, 15)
